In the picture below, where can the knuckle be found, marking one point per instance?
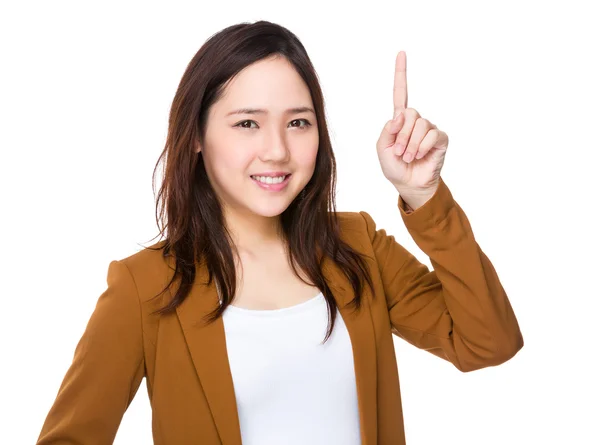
(414, 114)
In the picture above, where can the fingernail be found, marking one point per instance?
(408, 157)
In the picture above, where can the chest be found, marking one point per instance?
(268, 282)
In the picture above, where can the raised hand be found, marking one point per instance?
(411, 149)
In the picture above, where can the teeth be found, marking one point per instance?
(269, 179)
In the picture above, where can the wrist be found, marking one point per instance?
(415, 198)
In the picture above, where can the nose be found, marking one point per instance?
(275, 147)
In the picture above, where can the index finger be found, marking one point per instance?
(400, 91)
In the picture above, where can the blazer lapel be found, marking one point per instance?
(207, 346)
(360, 328)
(206, 343)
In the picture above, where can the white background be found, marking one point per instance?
(85, 94)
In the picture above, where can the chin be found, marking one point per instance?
(269, 211)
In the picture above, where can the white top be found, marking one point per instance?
(289, 388)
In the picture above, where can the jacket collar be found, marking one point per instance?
(206, 343)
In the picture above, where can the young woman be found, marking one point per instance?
(265, 316)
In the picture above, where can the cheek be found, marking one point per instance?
(306, 159)
(305, 156)
(236, 159)
(224, 170)
(231, 174)
(227, 160)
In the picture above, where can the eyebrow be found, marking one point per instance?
(262, 111)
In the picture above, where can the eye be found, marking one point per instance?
(242, 123)
(306, 125)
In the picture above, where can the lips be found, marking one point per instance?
(273, 187)
(272, 174)
(285, 176)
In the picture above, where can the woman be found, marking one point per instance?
(265, 316)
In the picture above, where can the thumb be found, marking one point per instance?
(388, 135)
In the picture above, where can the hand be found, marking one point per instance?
(411, 149)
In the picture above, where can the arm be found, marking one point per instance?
(106, 371)
(459, 311)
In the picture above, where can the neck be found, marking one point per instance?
(254, 233)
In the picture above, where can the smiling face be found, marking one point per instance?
(239, 145)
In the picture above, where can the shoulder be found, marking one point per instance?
(151, 256)
(356, 222)
(149, 269)
(356, 228)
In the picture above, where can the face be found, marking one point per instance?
(239, 146)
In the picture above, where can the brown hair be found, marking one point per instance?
(194, 220)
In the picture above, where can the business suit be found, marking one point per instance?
(459, 312)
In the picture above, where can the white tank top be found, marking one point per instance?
(289, 388)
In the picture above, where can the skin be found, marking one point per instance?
(239, 145)
(411, 149)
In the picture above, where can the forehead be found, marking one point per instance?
(273, 84)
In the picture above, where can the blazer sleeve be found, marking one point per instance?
(106, 370)
(459, 311)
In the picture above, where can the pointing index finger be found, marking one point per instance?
(400, 90)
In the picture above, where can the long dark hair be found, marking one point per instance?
(194, 222)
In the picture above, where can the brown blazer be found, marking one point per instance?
(459, 312)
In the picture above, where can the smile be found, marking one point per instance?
(275, 184)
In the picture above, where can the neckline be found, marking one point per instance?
(276, 312)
